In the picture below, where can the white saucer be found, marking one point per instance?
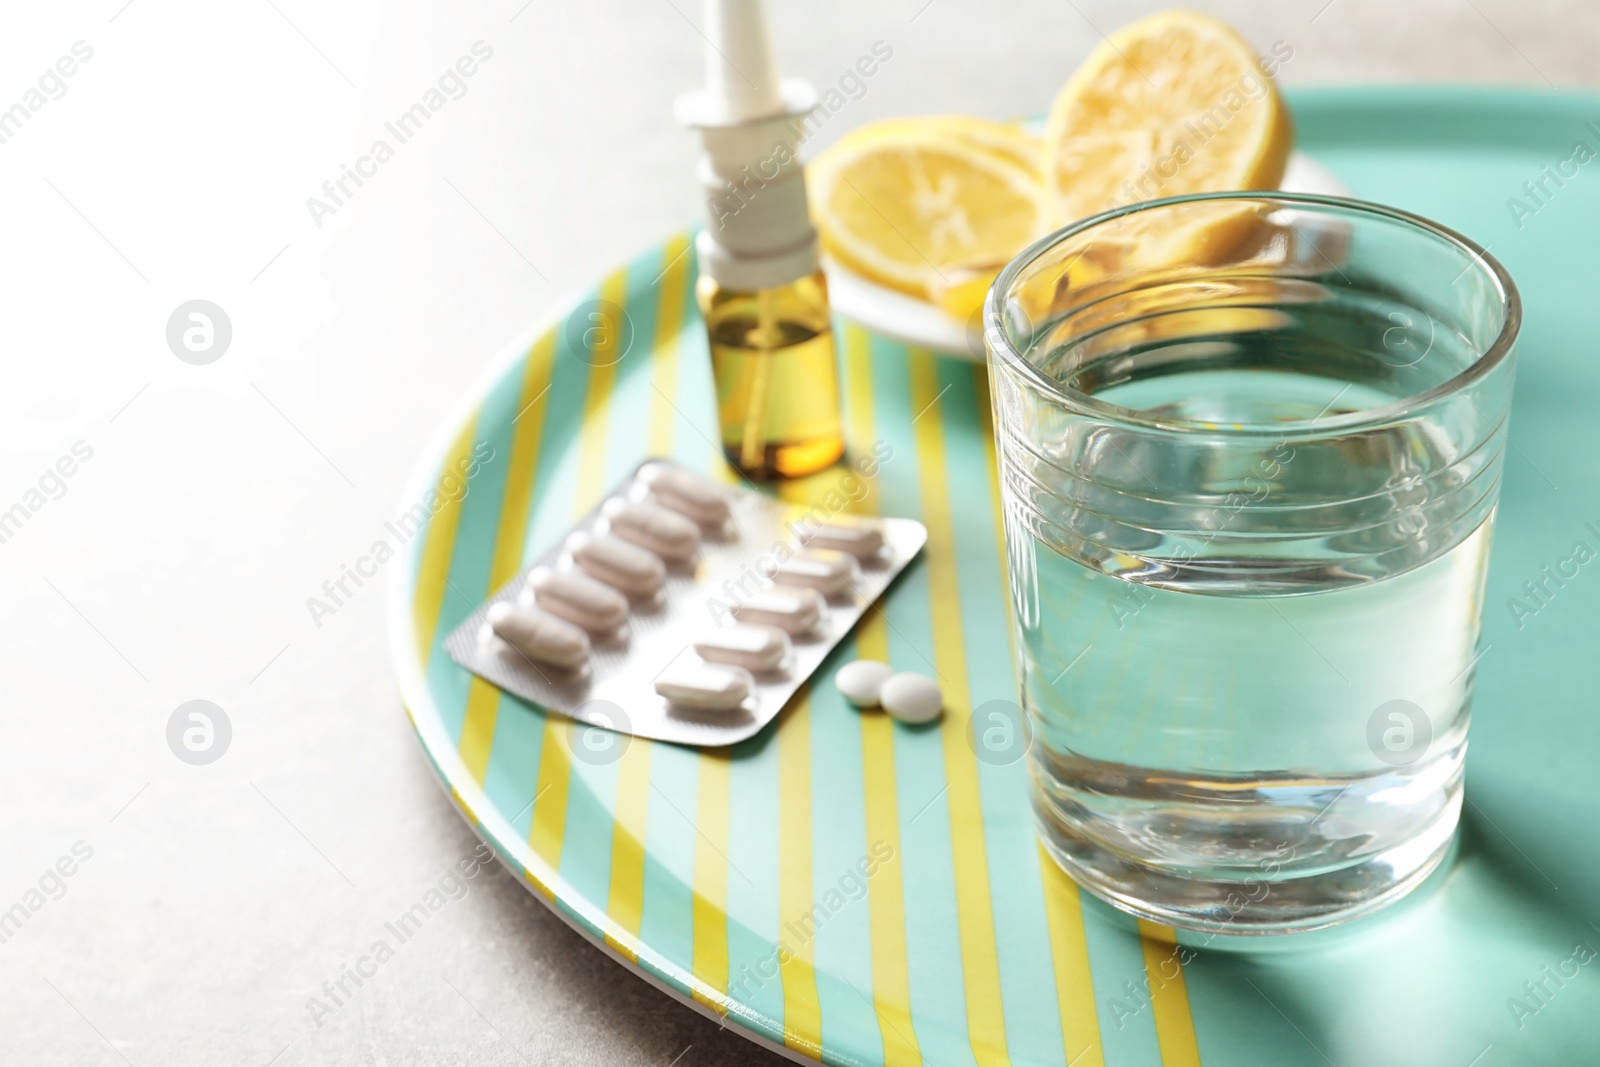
(920, 324)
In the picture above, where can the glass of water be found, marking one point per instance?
(1250, 446)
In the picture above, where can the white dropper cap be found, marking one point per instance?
(740, 73)
(758, 232)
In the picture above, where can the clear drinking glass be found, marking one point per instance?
(1250, 447)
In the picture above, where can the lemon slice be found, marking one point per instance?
(1006, 139)
(1172, 104)
(899, 202)
(962, 288)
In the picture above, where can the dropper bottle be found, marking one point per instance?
(761, 290)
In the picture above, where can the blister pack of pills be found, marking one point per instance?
(683, 610)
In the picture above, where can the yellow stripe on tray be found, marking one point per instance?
(802, 1010)
(625, 902)
(802, 1006)
(710, 944)
(1069, 950)
(891, 979)
(710, 961)
(664, 358)
(861, 429)
(1169, 996)
(433, 569)
(1063, 909)
(549, 821)
(603, 359)
(527, 429)
(974, 914)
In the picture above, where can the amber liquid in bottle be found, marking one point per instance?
(777, 376)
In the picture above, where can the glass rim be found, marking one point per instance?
(1087, 404)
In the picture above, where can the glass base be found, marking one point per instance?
(1250, 907)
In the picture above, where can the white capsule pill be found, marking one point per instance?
(862, 540)
(756, 648)
(911, 698)
(861, 682)
(578, 598)
(666, 533)
(701, 499)
(617, 563)
(826, 570)
(707, 686)
(539, 636)
(795, 611)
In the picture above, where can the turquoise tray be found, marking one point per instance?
(850, 890)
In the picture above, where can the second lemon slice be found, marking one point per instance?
(904, 203)
(1172, 104)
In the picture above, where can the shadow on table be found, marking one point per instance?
(1486, 964)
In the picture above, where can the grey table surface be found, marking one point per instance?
(175, 562)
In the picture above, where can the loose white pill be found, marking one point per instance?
(539, 636)
(617, 563)
(707, 686)
(862, 540)
(701, 499)
(756, 648)
(911, 698)
(826, 570)
(578, 598)
(861, 682)
(666, 533)
(795, 611)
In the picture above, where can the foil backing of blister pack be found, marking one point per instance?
(617, 688)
